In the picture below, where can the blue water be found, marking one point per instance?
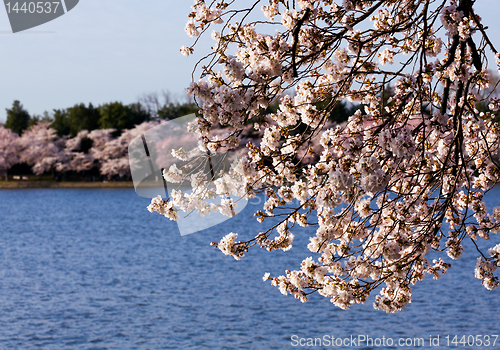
(93, 269)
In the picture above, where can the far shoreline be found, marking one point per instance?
(14, 184)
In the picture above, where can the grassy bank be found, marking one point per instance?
(64, 184)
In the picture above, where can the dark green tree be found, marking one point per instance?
(81, 118)
(139, 113)
(118, 116)
(18, 118)
(46, 118)
(61, 122)
(171, 111)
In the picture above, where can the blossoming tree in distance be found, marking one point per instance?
(403, 177)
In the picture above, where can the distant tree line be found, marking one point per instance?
(114, 115)
(84, 141)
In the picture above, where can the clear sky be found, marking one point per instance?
(100, 51)
(105, 50)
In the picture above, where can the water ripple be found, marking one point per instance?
(92, 269)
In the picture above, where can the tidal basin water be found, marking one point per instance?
(93, 269)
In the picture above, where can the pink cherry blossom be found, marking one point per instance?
(410, 170)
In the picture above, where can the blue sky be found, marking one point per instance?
(104, 51)
(100, 51)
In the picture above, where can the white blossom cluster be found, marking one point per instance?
(164, 208)
(404, 176)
